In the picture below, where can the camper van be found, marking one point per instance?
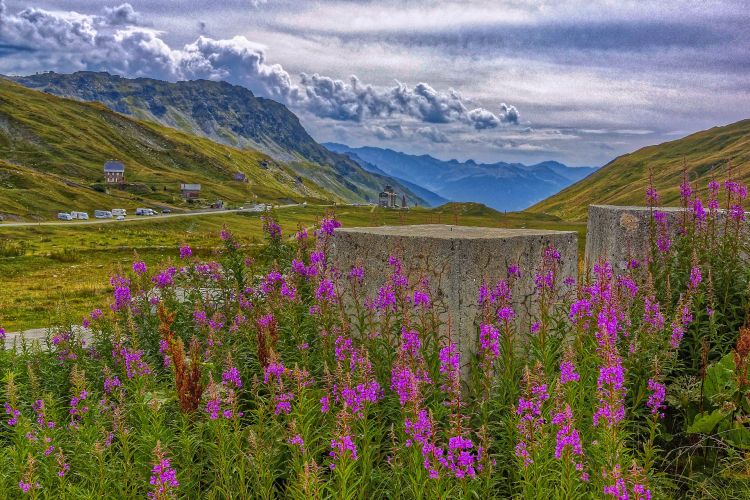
(64, 216)
(102, 214)
(80, 215)
(116, 212)
(144, 211)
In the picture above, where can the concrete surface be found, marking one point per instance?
(456, 259)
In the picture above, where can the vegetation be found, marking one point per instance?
(271, 374)
(39, 287)
(705, 155)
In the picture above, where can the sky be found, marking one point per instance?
(576, 81)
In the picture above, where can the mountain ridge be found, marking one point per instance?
(500, 185)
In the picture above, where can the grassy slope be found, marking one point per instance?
(53, 149)
(63, 270)
(225, 113)
(623, 181)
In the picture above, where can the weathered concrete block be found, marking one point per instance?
(456, 259)
(619, 234)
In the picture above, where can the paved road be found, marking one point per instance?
(137, 218)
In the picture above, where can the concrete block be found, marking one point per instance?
(456, 259)
(620, 234)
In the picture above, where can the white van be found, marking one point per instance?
(64, 216)
(119, 211)
(102, 214)
(144, 211)
(79, 215)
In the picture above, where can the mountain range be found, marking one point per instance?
(227, 114)
(503, 186)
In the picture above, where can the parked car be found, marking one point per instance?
(120, 217)
(64, 216)
(166, 210)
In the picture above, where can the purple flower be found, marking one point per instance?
(325, 291)
(568, 372)
(328, 225)
(685, 190)
(656, 400)
(139, 267)
(695, 277)
(357, 273)
(231, 377)
(165, 278)
(14, 414)
(163, 479)
(514, 270)
(737, 213)
(185, 252)
(134, 364)
(343, 446)
(489, 340)
(422, 299)
(297, 441)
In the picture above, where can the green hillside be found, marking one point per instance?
(623, 181)
(228, 114)
(52, 151)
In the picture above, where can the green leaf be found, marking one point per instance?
(738, 436)
(720, 378)
(705, 423)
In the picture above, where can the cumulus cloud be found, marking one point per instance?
(121, 15)
(355, 101)
(117, 41)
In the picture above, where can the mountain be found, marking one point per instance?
(52, 152)
(503, 186)
(225, 113)
(623, 181)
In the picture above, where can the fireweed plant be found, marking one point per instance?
(278, 375)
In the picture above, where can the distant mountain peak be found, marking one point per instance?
(503, 186)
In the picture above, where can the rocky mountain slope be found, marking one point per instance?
(503, 186)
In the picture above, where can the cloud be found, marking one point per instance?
(432, 134)
(355, 101)
(117, 41)
(121, 15)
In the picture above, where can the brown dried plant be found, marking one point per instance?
(187, 371)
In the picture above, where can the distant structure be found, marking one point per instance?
(388, 197)
(403, 201)
(114, 172)
(190, 191)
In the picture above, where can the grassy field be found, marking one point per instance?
(52, 273)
